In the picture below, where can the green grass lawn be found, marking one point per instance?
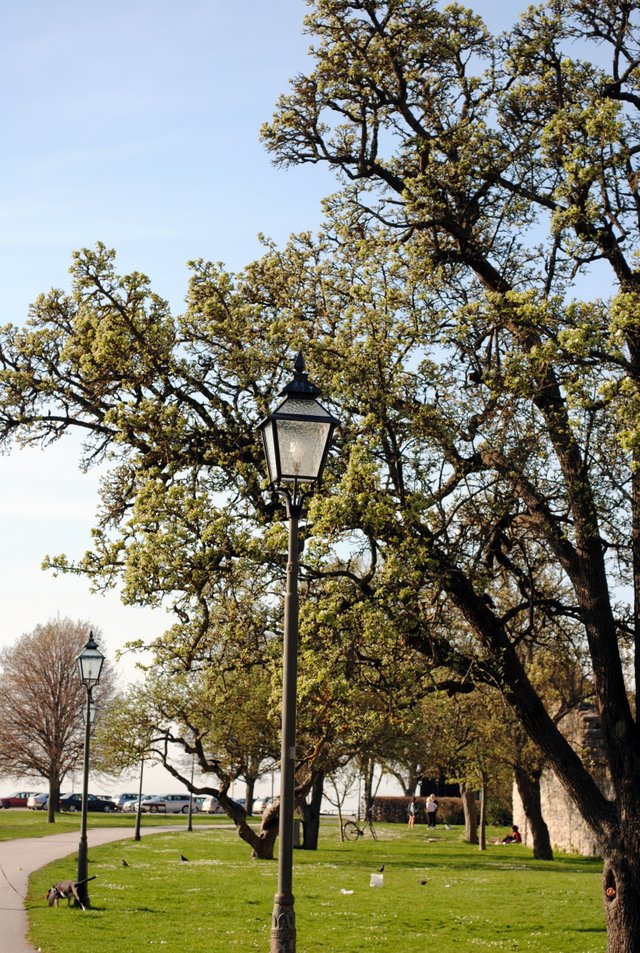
(16, 823)
(221, 900)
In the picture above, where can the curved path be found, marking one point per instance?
(19, 858)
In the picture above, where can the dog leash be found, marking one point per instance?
(12, 887)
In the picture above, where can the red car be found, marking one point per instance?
(16, 800)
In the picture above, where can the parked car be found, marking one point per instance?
(73, 802)
(261, 804)
(123, 799)
(129, 806)
(19, 799)
(38, 802)
(211, 805)
(168, 804)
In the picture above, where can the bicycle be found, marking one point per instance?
(352, 830)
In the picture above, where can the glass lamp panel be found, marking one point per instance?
(302, 446)
(89, 666)
(270, 450)
(302, 407)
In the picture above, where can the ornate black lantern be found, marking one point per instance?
(90, 662)
(297, 434)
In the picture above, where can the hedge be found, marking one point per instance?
(396, 810)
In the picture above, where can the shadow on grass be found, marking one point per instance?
(104, 908)
(462, 856)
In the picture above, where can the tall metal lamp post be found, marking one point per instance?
(90, 662)
(296, 438)
(137, 835)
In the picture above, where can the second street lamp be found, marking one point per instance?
(89, 662)
(296, 438)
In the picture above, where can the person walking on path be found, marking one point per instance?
(431, 808)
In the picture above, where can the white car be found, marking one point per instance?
(211, 805)
(38, 802)
(168, 804)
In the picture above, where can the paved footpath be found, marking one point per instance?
(19, 858)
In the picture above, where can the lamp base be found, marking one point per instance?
(283, 926)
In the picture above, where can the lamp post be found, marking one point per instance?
(93, 712)
(137, 834)
(190, 820)
(296, 439)
(90, 662)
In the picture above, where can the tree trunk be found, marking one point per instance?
(54, 800)
(528, 784)
(250, 785)
(367, 772)
(261, 842)
(470, 808)
(483, 816)
(635, 548)
(621, 885)
(311, 815)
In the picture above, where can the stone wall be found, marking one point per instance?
(567, 829)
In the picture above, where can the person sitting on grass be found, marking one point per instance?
(514, 837)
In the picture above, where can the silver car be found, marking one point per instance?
(123, 799)
(168, 804)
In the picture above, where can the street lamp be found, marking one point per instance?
(90, 662)
(296, 438)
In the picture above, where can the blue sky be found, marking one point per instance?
(136, 124)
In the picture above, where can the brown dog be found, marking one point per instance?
(66, 889)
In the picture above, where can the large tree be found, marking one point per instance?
(508, 169)
(42, 704)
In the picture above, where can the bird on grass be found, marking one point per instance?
(184, 859)
(423, 883)
(381, 868)
(124, 863)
